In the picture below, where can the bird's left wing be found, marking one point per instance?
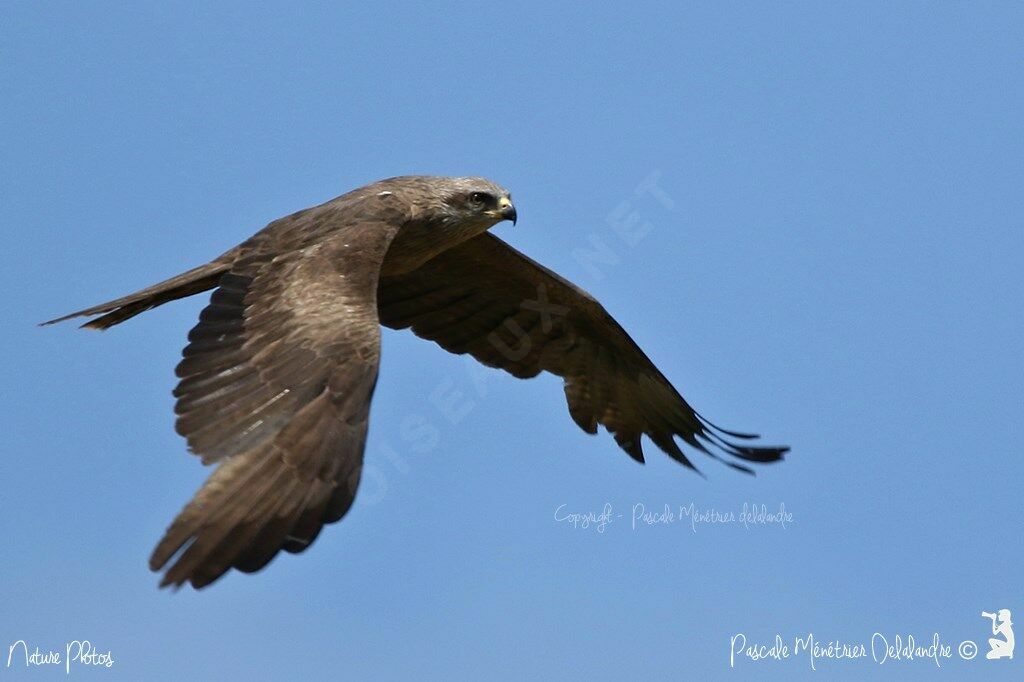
(485, 298)
(276, 384)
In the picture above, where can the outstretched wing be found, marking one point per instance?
(276, 385)
(485, 298)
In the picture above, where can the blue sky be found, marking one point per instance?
(837, 267)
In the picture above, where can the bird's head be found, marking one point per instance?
(464, 204)
(473, 201)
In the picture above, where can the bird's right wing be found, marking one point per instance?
(276, 384)
(484, 298)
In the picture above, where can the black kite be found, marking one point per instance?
(276, 380)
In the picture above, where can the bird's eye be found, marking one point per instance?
(480, 198)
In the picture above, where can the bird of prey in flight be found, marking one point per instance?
(276, 380)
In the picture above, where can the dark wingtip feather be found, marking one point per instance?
(739, 467)
(668, 445)
(734, 434)
(762, 455)
(630, 442)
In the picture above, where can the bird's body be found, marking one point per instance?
(277, 378)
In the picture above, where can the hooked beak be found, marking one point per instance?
(507, 210)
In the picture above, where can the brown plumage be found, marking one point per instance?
(276, 381)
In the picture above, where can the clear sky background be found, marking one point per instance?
(839, 268)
